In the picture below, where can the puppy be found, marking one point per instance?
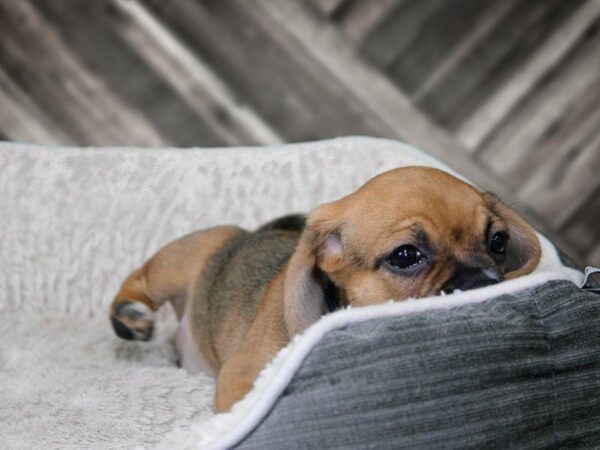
(241, 296)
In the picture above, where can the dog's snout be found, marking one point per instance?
(469, 282)
(465, 278)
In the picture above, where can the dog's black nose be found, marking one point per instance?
(465, 278)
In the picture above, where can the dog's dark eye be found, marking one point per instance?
(498, 243)
(405, 257)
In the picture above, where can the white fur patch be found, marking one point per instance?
(137, 311)
(190, 357)
(138, 318)
(333, 246)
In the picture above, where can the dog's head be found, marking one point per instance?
(407, 233)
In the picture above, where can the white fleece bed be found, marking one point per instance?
(75, 221)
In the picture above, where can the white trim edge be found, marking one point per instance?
(229, 429)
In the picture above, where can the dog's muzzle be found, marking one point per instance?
(466, 277)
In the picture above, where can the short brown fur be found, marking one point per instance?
(250, 293)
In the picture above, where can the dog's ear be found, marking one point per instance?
(320, 249)
(523, 251)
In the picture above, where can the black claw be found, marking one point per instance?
(125, 332)
(122, 331)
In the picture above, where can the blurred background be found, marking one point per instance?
(505, 91)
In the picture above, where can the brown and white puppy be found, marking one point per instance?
(241, 296)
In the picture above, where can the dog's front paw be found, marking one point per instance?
(133, 321)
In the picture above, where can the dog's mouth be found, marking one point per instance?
(443, 293)
(455, 287)
(466, 277)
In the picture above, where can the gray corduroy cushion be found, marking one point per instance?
(518, 371)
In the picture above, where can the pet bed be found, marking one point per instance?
(516, 364)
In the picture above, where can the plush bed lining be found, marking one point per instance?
(78, 219)
(227, 430)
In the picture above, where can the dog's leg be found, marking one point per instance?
(265, 338)
(236, 377)
(132, 310)
(167, 276)
(235, 380)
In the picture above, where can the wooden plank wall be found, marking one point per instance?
(506, 91)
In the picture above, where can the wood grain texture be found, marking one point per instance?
(359, 17)
(583, 227)
(558, 127)
(545, 108)
(505, 91)
(493, 60)
(496, 108)
(329, 7)
(378, 97)
(397, 31)
(193, 80)
(285, 83)
(438, 36)
(22, 120)
(593, 257)
(483, 23)
(93, 31)
(36, 56)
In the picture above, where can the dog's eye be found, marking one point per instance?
(498, 243)
(405, 257)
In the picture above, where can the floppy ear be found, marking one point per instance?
(320, 249)
(523, 251)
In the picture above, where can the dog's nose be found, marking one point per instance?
(465, 278)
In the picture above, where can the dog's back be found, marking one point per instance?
(231, 286)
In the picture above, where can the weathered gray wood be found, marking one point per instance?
(379, 96)
(284, 85)
(583, 228)
(92, 32)
(212, 72)
(483, 120)
(196, 83)
(328, 7)
(437, 37)
(566, 182)
(22, 121)
(40, 62)
(493, 60)
(397, 31)
(576, 123)
(17, 124)
(361, 16)
(523, 131)
(593, 258)
(486, 22)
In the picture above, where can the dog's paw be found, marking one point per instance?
(133, 321)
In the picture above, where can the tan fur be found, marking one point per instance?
(266, 336)
(167, 276)
(241, 320)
